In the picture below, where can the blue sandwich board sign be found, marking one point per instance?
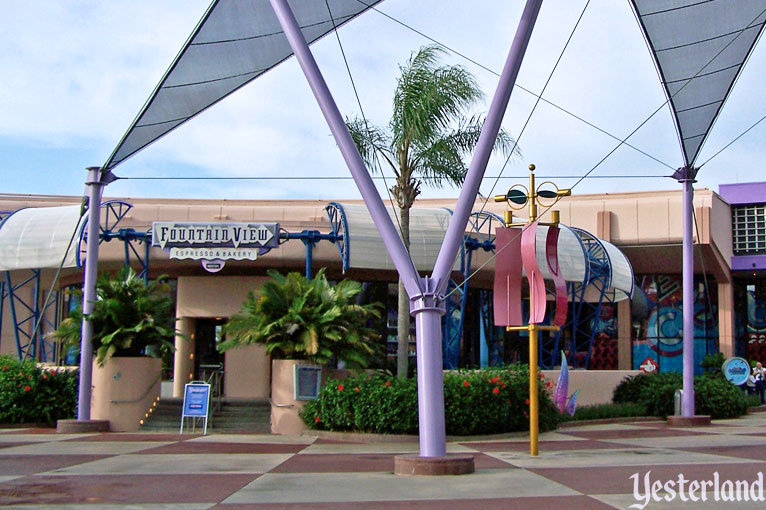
(196, 403)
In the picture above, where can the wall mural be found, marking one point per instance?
(604, 353)
(756, 326)
(658, 339)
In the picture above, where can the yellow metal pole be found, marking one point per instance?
(532, 195)
(534, 423)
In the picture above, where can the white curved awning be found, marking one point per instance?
(35, 238)
(428, 227)
(611, 271)
(570, 253)
(366, 249)
(621, 285)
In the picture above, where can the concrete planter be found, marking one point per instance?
(124, 390)
(285, 409)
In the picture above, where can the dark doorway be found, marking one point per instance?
(207, 358)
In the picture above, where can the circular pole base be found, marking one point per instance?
(414, 465)
(689, 421)
(81, 426)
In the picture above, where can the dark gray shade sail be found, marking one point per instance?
(699, 48)
(235, 42)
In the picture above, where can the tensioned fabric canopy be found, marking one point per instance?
(235, 42)
(35, 238)
(699, 48)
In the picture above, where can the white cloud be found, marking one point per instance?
(77, 72)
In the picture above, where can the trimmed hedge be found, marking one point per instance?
(607, 411)
(31, 394)
(475, 402)
(714, 395)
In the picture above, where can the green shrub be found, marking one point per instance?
(30, 394)
(658, 393)
(753, 400)
(712, 364)
(718, 397)
(607, 411)
(629, 389)
(475, 402)
(714, 395)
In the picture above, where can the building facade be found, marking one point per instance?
(643, 332)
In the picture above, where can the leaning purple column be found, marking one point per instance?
(465, 203)
(334, 119)
(425, 299)
(95, 187)
(688, 293)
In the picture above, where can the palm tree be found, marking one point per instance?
(130, 318)
(298, 318)
(427, 138)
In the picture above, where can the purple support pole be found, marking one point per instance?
(94, 188)
(425, 302)
(456, 228)
(428, 310)
(686, 177)
(334, 119)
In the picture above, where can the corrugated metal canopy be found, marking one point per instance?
(35, 238)
(235, 42)
(699, 48)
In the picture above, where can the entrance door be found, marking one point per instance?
(207, 359)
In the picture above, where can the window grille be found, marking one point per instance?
(749, 228)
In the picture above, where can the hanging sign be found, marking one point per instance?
(216, 242)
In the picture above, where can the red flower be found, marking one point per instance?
(5, 367)
(317, 419)
(542, 376)
(502, 384)
(356, 389)
(496, 390)
(548, 384)
(45, 376)
(340, 387)
(388, 383)
(494, 379)
(53, 372)
(466, 383)
(27, 388)
(526, 401)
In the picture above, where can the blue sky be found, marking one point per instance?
(77, 72)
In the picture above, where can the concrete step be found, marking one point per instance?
(234, 416)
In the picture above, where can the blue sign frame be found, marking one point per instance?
(736, 370)
(196, 402)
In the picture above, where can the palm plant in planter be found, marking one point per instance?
(298, 318)
(130, 318)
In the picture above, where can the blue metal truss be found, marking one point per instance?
(581, 328)
(480, 235)
(30, 323)
(339, 224)
(29, 309)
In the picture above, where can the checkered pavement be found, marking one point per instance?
(584, 467)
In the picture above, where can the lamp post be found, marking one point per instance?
(517, 197)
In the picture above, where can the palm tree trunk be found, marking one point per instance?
(403, 310)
